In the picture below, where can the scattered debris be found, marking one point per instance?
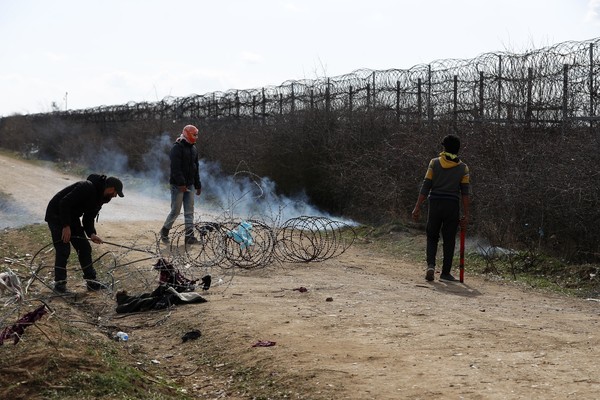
(10, 283)
(172, 277)
(242, 234)
(264, 343)
(191, 335)
(18, 329)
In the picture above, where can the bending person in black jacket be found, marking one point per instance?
(184, 178)
(70, 216)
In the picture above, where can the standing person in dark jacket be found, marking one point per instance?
(446, 183)
(184, 179)
(70, 216)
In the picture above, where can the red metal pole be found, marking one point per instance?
(462, 255)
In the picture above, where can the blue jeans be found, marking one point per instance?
(178, 199)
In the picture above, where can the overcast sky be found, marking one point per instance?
(83, 53)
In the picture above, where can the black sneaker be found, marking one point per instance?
(448, 277)
(95, 286)
(191, 240)
(206, 280)
(429, 274)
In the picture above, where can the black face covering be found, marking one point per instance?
(106, 199)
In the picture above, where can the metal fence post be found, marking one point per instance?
(455, 101)
(429, 105)
(528, 110)
(499, 87)
(565, 97)
(264, 106)
(327, 98)
(397, 101)
(592, 112)
(481, 85)
(419, 100)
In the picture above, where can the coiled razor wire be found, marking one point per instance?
(222, 249)
(251, 244)
(306, 239)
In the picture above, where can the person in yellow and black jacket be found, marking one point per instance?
(446, 186)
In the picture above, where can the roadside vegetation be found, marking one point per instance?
(530, 267)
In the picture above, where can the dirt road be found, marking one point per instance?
(367, 327)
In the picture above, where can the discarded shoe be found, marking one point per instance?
(95, 286)
(206, 280)
(429, 275)
(447, 277)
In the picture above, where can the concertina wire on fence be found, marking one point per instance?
(551, 85)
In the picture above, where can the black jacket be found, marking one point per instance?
(81, 199)
(184, 165)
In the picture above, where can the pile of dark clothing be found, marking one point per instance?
(174, 288)
(162, 297)
(171, 277)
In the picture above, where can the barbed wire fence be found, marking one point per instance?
(552, 85)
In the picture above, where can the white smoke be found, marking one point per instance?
(242, 195)
(246, 195)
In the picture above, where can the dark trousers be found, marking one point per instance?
(443, 216)
(63, 251)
